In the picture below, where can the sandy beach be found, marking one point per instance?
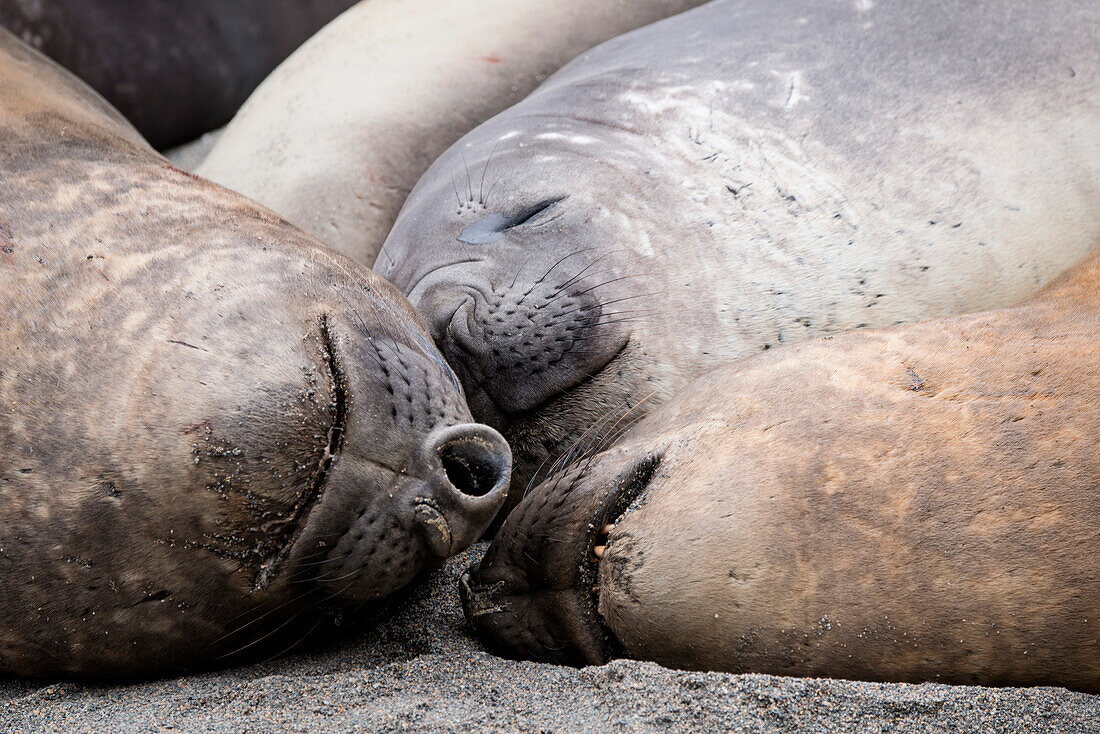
(419, 670)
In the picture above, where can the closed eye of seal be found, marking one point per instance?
(493, 226)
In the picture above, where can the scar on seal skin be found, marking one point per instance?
(912, 504)
(213, 430)
(728, 181)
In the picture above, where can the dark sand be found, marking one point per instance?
(420, 671)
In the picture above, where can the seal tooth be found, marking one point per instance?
(600, 545)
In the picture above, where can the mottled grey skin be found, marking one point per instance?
(746, 175)
(211, 428)
(174, 69)
(910, 504)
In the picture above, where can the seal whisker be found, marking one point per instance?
(571, 454)
(592, 306)
(615, 280)
(469, 184)
(455, 187)
(381, 252)
(560, 261)
(481, 186)
(579, 274)
(306, 570)
(627, 320)
(294, 644)
(330, 579)
(307, 608)
(490, 192)
(246, 625)
(520, 270)
(263, 637)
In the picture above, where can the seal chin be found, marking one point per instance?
(533, 595)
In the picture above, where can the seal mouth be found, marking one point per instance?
(535, 593)
(626, 496)
(294, 525)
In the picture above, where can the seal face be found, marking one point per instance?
(213, 428)
(174, 70)
(337, 136)
(911, 504)
(730, 180)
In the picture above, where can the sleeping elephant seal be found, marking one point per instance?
(336, 137)
(211, 427)
(746, 175)
(174, 69)
(914, 504)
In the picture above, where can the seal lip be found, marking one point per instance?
(629, 488)
(549, 610)
(300, 514)
(433, 526)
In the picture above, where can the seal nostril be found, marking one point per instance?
(471, 468)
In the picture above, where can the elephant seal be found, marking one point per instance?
(211, 427)
(913, 504)
(745, 175)
(175, 70)
(337, 136)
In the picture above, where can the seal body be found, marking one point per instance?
(746, 175)
(175, 70)
(338, 135)
(212, 428)
(912, 504)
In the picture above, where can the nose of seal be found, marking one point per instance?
(469, 467)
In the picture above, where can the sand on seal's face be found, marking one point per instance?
(213, 428)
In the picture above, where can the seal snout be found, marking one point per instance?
(522, 344)
(466, 471)
(535, 594)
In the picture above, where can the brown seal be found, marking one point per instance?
(745, 175)
(914, 504)
(211, 427)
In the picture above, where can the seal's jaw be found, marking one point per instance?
(376, 527)
(533, 595)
